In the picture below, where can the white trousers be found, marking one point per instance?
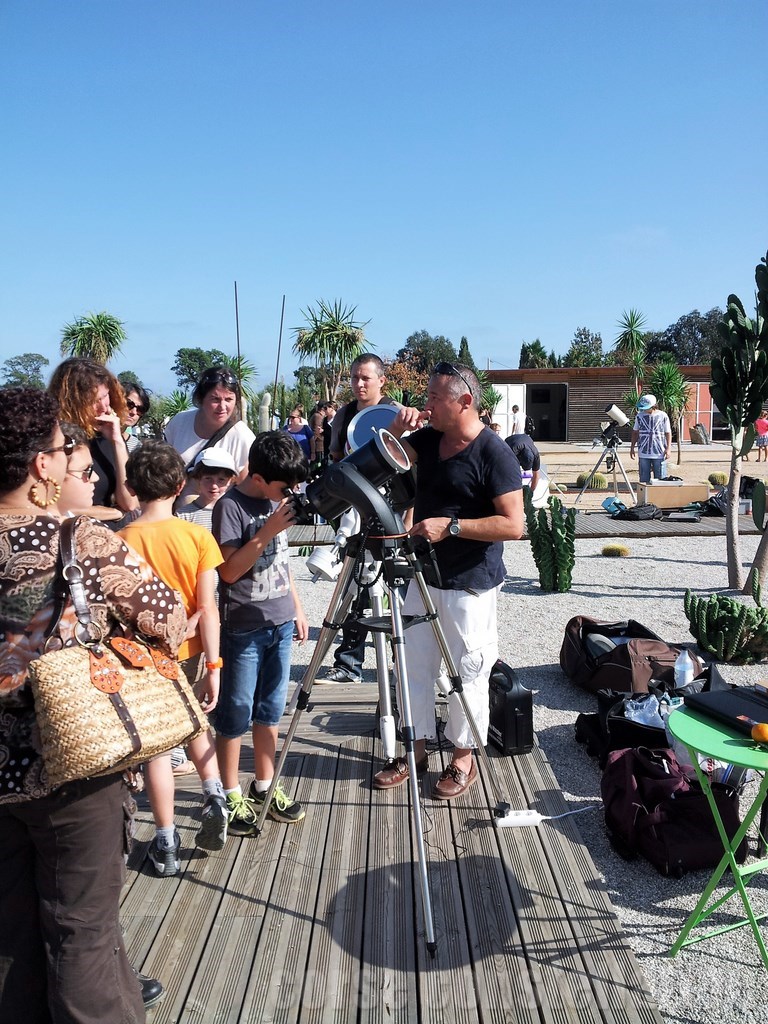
(469, 624)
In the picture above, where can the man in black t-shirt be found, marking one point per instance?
(527, 454)
(468, 502)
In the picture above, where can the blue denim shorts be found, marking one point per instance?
(254, 680)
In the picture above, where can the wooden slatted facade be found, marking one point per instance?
(590, 389)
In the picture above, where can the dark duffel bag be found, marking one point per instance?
(623, 656)
(655, 807)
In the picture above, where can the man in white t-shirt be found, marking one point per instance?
(652, 436)
(518, 421)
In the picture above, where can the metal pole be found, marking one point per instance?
(279, 346)
(237, 325)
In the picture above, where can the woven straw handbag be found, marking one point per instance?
(103, 707)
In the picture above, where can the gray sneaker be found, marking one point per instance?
(165, 860)
(213, 825)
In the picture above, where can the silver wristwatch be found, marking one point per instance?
(454, 527)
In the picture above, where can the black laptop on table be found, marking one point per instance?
(739, 707)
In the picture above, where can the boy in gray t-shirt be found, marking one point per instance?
(258, 605)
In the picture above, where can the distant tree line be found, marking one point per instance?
(691, 340)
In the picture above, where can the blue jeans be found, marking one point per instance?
(254, 680)
(645, 466)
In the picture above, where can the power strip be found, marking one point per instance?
(519, 819)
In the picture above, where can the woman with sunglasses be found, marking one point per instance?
(215, 420)
(136, 406)
(62, 956)
(92, 397)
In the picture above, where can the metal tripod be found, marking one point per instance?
(399, 565)
(611, 454)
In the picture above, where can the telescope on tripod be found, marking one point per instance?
(610, 440)
(375, 481)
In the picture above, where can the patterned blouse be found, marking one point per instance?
(122, 591)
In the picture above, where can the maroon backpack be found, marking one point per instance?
(622, 656)
(655, 807)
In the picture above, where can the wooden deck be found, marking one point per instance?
(588, 524)
(322, 921)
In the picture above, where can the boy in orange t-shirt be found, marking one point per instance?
(185, 556)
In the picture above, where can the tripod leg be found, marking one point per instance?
(387, 729)
(406, 725)
(341, 601)
(502, 806)
(626, 478)
(588, 481)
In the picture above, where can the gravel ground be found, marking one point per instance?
(720, 979)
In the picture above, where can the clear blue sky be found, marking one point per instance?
(500, 170)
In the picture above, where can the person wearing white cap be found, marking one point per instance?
(213, 471)
(652, 436)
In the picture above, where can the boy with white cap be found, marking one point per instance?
(652, 436)
(213, 472)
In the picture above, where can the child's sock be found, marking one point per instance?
(261, 786)
(212, 787)
(238, 791)
(166, 837)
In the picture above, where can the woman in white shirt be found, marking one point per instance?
(214, 420)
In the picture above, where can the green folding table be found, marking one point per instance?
(703, 735)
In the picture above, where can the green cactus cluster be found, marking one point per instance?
(552, 533)
(727, 628)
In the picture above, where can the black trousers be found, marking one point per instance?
(62, 956)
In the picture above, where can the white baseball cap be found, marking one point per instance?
(215, 458)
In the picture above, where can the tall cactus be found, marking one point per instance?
(739, 388)
(552, 533)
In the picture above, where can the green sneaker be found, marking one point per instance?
(281, 808)
(242, 815)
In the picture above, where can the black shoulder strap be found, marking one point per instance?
(350, 410)
(212, 440)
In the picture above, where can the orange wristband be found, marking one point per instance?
(211, 665)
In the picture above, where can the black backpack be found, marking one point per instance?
(530, 427)
(639, 512)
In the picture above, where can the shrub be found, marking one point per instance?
(616, 551)
(598, 482)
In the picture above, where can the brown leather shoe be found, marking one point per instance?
(395, 773)
(453, 782)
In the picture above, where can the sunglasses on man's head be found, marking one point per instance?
(133, 407)
(449, 370)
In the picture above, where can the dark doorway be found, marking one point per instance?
(547, 405)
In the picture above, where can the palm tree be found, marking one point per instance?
(629, 345)
(673, 394)
(246, 374)
(533, 355)
(96, 336)
(333, 338)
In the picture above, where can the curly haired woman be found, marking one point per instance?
(92, 397)
(62, 957)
